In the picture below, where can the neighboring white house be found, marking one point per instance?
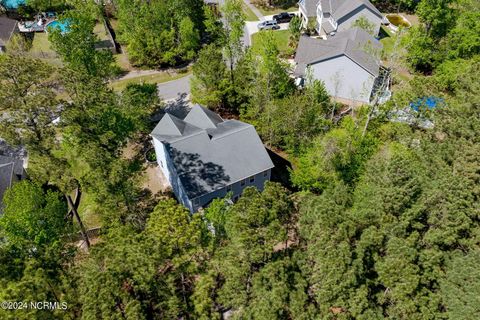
(348, 64)
(329, 16)
(205, 157)
(339, 15)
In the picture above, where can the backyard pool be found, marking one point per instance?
(426, 103)
(12, 4)
(62, 25)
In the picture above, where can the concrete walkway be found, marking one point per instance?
(139, 73)
(254, 10)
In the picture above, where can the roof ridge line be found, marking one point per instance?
(181, 137)
(356, 62)
(229, 133)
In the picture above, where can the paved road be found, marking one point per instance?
(179, 89)
(175, 88)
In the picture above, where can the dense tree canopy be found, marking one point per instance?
(160, 33)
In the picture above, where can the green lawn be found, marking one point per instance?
(87, 210)
(249, 15)
(122, 61)
(41, 49)
(119, 85)
(280, 37)
(266, 11)
(387, 40)
(100, 31)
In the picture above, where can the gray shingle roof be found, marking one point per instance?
(310, 7)
(203, 118)
(210, 153)
(7, 28)
(354, 43)
(9, 169)
(340, 8)
(18, 163)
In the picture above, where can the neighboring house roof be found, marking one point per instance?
(328, 27)
(17, 163)
(210, 153)
(340, 8)
(355, 43)
(310, 7)
(10, 169)
(7, 28)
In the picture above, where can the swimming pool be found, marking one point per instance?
(428, 103)
(62, 25)
(12, 4)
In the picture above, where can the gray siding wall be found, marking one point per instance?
(303, 16)
(168, 169)
(344, 78)
(347, 21)
(236, 189)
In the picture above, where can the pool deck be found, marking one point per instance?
(33, 26)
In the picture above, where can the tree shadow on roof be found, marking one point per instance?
(179, 107)
(198, 177)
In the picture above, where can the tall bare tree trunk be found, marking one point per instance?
(80, 223)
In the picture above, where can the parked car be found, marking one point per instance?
(268, 25)
(283, 17)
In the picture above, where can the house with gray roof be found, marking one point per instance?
(339, 15)
(8, 27)
(204, 157)
(11, 171)
(348, 63)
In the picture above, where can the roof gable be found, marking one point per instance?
(7, 176)
(202, 117)
(7, 28)
(16, 163)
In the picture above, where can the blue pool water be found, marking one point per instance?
(12, 4)
(426, 103)
(63, 25)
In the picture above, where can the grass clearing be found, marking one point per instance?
(42, 49)
(123, 62)
(387, 39)
(100, 31)
(280, 38)
(87, 210)
(160, 77)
